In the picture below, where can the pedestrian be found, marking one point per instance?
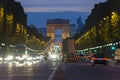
(45, 58)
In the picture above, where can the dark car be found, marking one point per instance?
(70, 58)
(99, 59)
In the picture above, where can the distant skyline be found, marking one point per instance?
(58, 5)
(39, 19)
(38, 11)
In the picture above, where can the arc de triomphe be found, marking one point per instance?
(62, 24)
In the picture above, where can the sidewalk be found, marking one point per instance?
(59, 74)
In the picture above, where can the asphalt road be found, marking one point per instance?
(27, 70)
(84, 71)
(54, 71)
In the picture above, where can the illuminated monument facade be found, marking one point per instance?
(62, 24)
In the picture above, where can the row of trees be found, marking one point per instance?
(102, 26)
(35, 39)
(14, 29)
(12, 22)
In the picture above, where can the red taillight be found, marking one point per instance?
(105, 59)
(93, 58)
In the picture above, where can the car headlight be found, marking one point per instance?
(53, 56)
(9, 58)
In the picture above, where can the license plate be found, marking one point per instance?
(100, 59)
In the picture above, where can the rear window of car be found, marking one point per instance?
(99, 56)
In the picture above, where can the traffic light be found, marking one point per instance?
(113, 47)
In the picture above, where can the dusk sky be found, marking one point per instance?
(53, 6)
(58, 5)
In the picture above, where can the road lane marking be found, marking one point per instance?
(51, 76)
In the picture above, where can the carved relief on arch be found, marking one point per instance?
(50, 29)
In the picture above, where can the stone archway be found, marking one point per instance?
(62, 24)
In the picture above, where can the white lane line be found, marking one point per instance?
(51, 76)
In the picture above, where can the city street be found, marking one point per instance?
(27, 70)
(52, 70)
(85, 71)
(59, 39)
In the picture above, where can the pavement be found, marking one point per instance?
(59, 74)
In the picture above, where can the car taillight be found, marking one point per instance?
(105, 58)
(93, 58)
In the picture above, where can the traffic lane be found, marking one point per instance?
(59, 74)
(39, 71)
(85, 71)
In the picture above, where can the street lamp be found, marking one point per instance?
(113, 13)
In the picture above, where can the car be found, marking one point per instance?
(99, 59)
(70, 57)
